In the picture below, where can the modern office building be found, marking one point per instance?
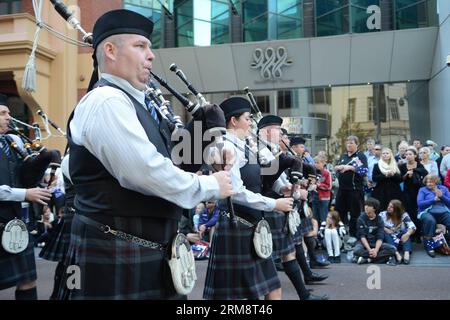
(330, 68)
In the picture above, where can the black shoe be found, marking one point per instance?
(337, 259)
(431, 253)
(315, 277)
(319, 264)
(314, 297)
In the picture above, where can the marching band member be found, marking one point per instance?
(235, 271)
(127, 186)
(284, 244)
(17, 262)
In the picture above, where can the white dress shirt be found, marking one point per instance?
(13, 194)
(106, 124)
(242, 195)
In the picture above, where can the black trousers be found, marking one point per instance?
(349, 201)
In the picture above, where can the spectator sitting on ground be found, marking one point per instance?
(45, 226)
(370, 226)
(433, 203)
(332, 232)
(208, 219)
(186, 224)
(398, 228)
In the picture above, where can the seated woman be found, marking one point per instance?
(433, 202)
(398, 228)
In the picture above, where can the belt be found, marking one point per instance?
(239, 219)
(122, 235)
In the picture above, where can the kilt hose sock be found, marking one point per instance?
(301, 259)
(29, 294)
(293, 272)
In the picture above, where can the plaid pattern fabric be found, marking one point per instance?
(112, 268)
(56, 249)
(283, 242)
(234, 270)
(17, 268)
(306, 226)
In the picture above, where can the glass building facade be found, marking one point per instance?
(210, 22)
(387, 112)
(325, 116)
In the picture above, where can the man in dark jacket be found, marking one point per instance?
(351, 170)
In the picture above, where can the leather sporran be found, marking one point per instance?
(294, 221)
(262, 239)
(15, 236)
(182, 265)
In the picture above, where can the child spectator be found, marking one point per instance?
(208, 219)
(370, 226)
(332, 232)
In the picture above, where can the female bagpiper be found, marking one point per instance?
(235, 271)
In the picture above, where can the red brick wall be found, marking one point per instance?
(27, 6)
(90, 11)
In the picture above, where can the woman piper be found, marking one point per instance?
(235, 271)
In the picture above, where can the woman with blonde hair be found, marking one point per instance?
(430, 165)
(386, 174)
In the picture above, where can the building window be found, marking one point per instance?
(263, 20)
(352, 108)
(415, 13)
(370, 109)
(332, 17)
(202, 22)
(284, 100)
(263, 103)
(10, 6)
(393, 107)
(359, 15)
(320, 96)
(153, 10)
(335, 17)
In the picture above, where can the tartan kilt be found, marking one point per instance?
(283, 243)
(17, 268)
(56, 249)
(306, 226)
(234, 270)
(112, 268)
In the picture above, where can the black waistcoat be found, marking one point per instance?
(251, 177)
(98, 192)
(9, 175)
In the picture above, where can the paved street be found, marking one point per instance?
(424, 279)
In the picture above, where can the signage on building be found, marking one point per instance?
(270, 62)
